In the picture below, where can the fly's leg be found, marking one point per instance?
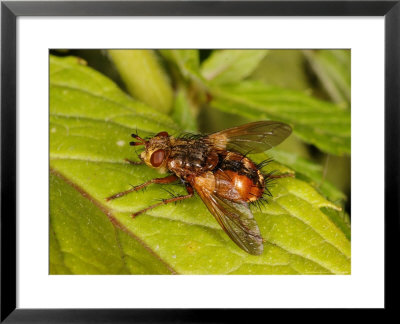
(277, 176)
(134, 162)
(165, 180)
(166, 201)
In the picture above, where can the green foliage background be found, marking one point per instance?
(98, 98)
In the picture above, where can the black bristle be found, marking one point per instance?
(248, 152)
(190, 136)
(172, 194)
(268, 177)
(259, 203)
(267, 183)
(264, 163)
(267, 193)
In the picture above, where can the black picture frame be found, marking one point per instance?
(10, 11)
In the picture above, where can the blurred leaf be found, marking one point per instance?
(312, 171)
(78, 91)
(183, 113)
(90, 124)
(337, 171)
(333, 68)
(144, 77)
(187, 61)
(283, 68)
(230, 66)
(323, 124)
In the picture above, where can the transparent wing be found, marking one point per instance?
(253, 137)
(236, 220)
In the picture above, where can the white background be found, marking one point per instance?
(363, 288)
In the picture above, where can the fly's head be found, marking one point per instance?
(157, 150)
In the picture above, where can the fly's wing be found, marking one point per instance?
(251, 138)
(236, 220)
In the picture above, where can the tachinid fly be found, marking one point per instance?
(216, 167)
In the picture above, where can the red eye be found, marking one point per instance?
(165, 134)
(157, 158)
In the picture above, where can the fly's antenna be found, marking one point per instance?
(137, 137)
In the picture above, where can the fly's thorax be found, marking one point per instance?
(191, 157)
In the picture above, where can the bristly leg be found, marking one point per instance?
(134, 162)
(167, 201)
(284, 175)
(172, 194)
(165, 180)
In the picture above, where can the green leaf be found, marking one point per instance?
(77, 91)
(187, 61)
(144, 77)
(90, 124)
(283, 68)
(323, 124)
(183, 113)
(230, 66)
(333, 69)
(341, 220)
(86, 239)
(312, 172)
(56, 262)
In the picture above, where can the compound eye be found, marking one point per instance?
(164, 134)
(157, 158)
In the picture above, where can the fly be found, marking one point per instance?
(216, 167)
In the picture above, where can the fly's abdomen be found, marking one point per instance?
(238, 179)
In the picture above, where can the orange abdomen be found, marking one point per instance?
(237, 187)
